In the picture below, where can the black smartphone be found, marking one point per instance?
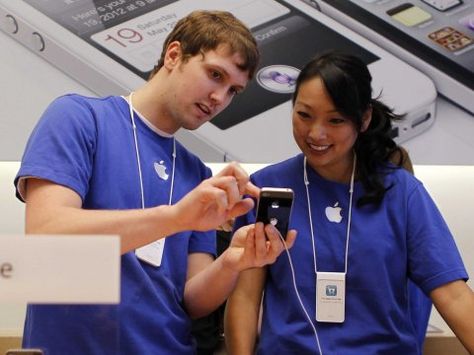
(274, 207)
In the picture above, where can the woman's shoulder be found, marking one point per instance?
(284, 171)
(402, 178)
(290, 163)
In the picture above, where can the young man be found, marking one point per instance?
(112, 166)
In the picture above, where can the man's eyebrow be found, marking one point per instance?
(226, 73)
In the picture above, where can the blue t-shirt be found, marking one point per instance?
(405, 238)
(86, 144)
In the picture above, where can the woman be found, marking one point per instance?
(390, 232)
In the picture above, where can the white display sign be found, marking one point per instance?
(60, 269)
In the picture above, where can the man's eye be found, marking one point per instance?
(234, 91)
(215, 74)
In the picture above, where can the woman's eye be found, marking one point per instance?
(303, 114)
(337, 120)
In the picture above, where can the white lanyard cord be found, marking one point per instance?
(292, 269)
(172, 172)
(349, 217)
(134, 128)
(137, 153)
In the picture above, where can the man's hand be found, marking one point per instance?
(250, 248)
(242, 178)
(216, 200)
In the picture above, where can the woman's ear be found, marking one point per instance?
(366, 118)
(172, 55)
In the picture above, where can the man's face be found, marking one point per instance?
(203, 86)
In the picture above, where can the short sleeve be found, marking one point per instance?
(433, 257)
(61, 147)
(203, 242)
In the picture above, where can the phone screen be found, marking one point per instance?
(441, 32)
(274, 207)
(132, 33)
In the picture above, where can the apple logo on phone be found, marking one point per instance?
(273, 221)
(160, 169)
(333, 214)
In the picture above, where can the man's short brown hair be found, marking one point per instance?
(202, 31)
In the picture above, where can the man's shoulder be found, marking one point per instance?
(85, 100)
(192, 162)
(82, 108)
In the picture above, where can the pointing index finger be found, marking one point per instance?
(252, 190)
(243, 181)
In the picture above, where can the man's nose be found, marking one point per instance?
(219, 96)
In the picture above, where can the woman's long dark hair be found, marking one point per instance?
(348, 82)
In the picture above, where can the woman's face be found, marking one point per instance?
(324, 135)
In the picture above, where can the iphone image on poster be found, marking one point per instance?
(112, 45)
(436, 36)
(443, 5)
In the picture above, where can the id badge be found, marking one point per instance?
(330, 297)
(151, 253)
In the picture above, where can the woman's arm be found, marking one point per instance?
(242, 312)
(209, 284)
(455, 302)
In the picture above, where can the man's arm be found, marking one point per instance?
(252, 246)
(455, 302)
(55, 209)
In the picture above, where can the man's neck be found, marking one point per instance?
(148, 100)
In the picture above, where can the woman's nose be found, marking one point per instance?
(317, 130)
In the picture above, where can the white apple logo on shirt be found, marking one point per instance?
(334, 213)
(160, 169)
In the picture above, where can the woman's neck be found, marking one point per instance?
(341, 172)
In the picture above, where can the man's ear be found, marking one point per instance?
(366, 118)
(172, 55)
